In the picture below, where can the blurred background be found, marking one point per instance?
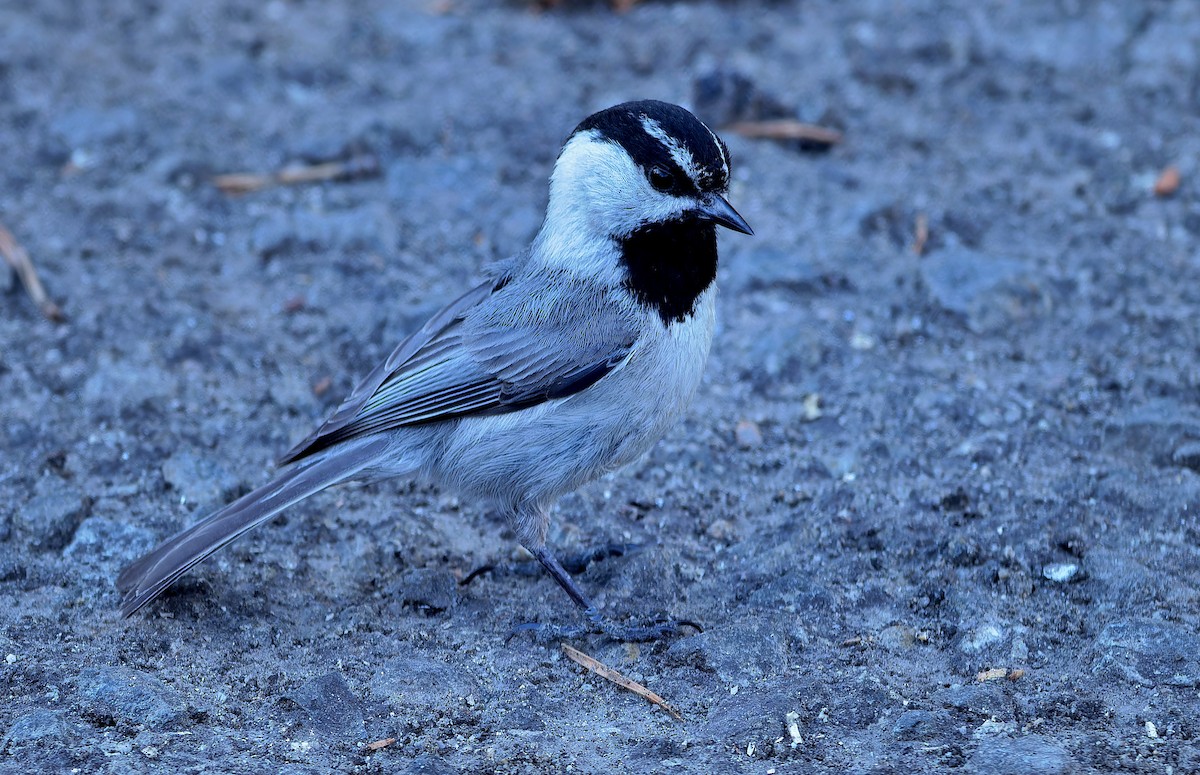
(935, 504)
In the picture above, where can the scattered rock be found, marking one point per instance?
(984, 289)
(741, 652)
(126, 696)
(723, 96)
(923, 725)
(1149, 653)
(986, 700)
(332, 709)
(1061, 572)
(420, 683)
(1028, 755)
(747, 434)
(199, 477)
(427, 764)
(90, 128)
(100, 539)
(369, 226)
(34, 727)
(430, 590)
(980, 638)
(53, 514)
(1187, 455)
(750, 716)
(896, 637)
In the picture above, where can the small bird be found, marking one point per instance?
(570, 361)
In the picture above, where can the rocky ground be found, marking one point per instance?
(916, 458)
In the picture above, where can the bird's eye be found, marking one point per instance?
(661, 179)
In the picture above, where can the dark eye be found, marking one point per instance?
(661, 179)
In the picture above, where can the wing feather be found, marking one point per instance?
(500, 347)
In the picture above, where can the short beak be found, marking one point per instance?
(715, 208)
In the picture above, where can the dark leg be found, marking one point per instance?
(596, 623)
(559, 574)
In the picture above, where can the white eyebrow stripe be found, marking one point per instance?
(682, 156)
(720, 147)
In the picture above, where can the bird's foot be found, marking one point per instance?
(637, 632)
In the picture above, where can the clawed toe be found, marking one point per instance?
(625, 633)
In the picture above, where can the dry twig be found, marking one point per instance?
(920, 234)
(1168, 181)
(380, 744)
(236, 183)
(606, 672)
(786, 129)
(997, 673)
(18, 259)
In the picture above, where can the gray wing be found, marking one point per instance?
(502, 346)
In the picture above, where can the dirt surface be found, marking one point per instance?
(905, 467)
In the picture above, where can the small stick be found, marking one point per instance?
(604, 671)
(235, 183)
(921, 234)
(1168, 181)
(380, 744)
(786, 129)
(18, 259)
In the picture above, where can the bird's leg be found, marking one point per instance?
(597, 624)
(559, 574)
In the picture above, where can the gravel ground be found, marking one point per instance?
(905, 467)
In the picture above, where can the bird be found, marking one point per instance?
(570, 360)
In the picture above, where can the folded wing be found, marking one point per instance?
(500, 347)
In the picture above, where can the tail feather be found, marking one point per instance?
(148, 577)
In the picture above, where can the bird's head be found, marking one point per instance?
(635, 166)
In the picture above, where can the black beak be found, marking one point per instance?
(715, 208)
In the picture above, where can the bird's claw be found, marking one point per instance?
(640, 632)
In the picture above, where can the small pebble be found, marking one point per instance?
(1151, 730)
(1060, 572)
(747, 434)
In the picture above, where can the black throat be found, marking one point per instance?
(670, 264)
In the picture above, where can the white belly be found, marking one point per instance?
(525, 460)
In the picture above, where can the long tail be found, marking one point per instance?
(147, 578)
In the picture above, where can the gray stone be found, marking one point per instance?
(1187, 455)
(983, 289)
(368, 226)
(896, 637)
(1061, 572)
(54, 512)
(986, 699)
(1162, 427)
(130, 697)
(99, 539)
(922, 725)
(33, 727)
(332, 709)
(1149, 653)
(427, 764)
(744, 651)
(430, 590)
(1029, 755)
(751, 716)
(198, 478)
(420, 682)
(89, 127)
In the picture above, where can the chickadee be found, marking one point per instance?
(572, 360)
